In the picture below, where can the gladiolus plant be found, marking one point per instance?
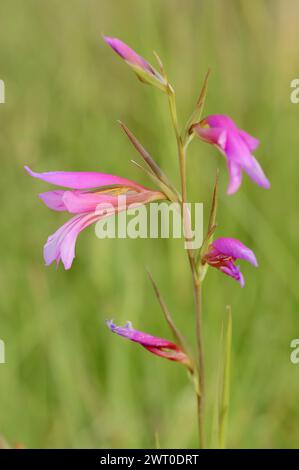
(84, 191)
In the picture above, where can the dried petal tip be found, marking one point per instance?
(143, 69)
(158, 346)
(223, 253)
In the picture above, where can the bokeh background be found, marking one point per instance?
(67, 381)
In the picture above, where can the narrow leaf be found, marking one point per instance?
(165, 189)
(196, 115)
(214, 206)
(175, 331)
(160, 175)
(212, 223)
(225, 382)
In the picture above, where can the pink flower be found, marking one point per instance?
(236, 145)
(223, 253)
(160, 347)
(90, 192)
(144, 70)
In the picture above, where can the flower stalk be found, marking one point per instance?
(200, 382)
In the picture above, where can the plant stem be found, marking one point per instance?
(181, 150)
(225, 392)
(200, 389)
(201, 373)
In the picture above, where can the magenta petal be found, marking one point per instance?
(214, 136)
(54, 199)
(251, 142)
(235, 177)
(233, 271)
(221, 121)
(238, 152)
(237, 147)
(234, 248)
(138, 336)
(255, 172)
(83, 180)
(128, 54)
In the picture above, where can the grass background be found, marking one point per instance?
(67, 381)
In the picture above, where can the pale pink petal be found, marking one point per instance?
(235, 177)
(83, 180)
(79, 202)
(54, 199)
(61, 245)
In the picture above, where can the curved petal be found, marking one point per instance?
(237, 151)
(233, 271)
(54, 199)
(221, 121)
(61, 245)
(235, 177)
(234, 248)
(254, 170)
(251, 142)
(83, 179)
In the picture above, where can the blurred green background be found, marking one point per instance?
(67, 381)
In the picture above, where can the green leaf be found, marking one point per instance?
(196, 115)
(155, 170)
(224, 387)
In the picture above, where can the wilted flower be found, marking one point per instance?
(159, 346)
(223, 253)
(144, 71)
(89, 192)
(236, 145)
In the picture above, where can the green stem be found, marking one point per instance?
(200, 349)
(200, 388)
